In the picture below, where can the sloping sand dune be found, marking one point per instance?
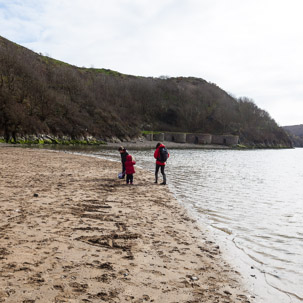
(70, 231)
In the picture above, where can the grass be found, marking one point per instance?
(150, 132)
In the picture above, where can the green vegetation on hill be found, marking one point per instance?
(41, 95)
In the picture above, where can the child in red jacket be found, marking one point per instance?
(129, 169)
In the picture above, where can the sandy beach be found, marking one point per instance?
(71, 231)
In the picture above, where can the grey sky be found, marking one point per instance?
(248, 48)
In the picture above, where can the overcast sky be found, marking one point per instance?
(251, 48)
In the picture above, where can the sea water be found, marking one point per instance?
(252, 199)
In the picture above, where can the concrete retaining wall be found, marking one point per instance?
(232, 140)
(225, 139)
(204, 138)
(197, 138)
(168, 137)
(192, 138)
(217, 139)
(149, 137)
(179, 137)
(158, 137)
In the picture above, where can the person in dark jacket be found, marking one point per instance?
(124, 154)
(160, 163)
(129, 169)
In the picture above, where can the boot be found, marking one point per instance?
(164, 180)
(156, 178)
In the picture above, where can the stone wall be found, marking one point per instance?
(225, 139)
(232, 140)
(217, 139)
(194, 138)
(168, 137)
(204, 138)
(149, 137)
(198, 138)
(158, 137)
(179, 137)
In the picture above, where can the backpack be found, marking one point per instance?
(163, 154)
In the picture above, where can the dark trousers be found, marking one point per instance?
(123, 170)
(129, 178)
(162, 172)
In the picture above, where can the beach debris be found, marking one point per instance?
(106, 265)
(79, 287)
(3, 252)
(146, 298)
(36, 195)
(59, 287)
(192, 278)
(227, 292)
(108, 297)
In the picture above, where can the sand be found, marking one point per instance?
(70, 231)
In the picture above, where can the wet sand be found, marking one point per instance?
(70, 231)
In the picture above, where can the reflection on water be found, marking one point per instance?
(257, 196)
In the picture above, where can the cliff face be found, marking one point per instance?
(40, 95)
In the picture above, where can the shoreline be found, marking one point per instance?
(128, 144)
(144, 144)
(72, 232)
(168, 144)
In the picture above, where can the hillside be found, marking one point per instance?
(296, 130)
(296, 134)
(41, 95)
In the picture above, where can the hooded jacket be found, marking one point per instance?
(157, 155)
(129, 165)
(123, 156)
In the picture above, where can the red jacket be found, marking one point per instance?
(129, 165)
(157, 155)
